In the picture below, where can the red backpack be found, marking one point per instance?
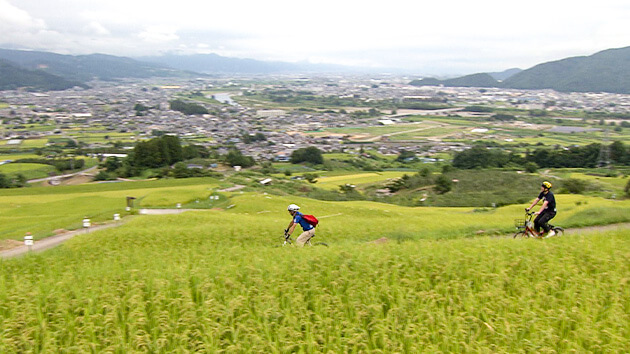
(310, 219)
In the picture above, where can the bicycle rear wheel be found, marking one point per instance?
(521, 234)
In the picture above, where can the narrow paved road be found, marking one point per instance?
(52, 241)
(62, 176)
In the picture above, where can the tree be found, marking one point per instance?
(618, 152)
(180, 170)
(4, 181)
(103, 176)
(20, 181)
(158, 152)
(311, 177)
(480, 157)
(531, 167)
(187, 108)
(310, 154)
(443, 184)
(235, 158)
(112, 164)
(405, 156)
(574, 185)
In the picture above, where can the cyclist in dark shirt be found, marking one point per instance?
(547, 210)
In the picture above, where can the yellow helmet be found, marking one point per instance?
(546, 184)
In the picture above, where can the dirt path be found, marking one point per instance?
(17, 248)
(590, 229)
(52, 241)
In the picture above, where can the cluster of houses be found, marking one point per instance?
(111, 107)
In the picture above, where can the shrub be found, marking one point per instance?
(531, 167)
(443, 184)
(574, 186)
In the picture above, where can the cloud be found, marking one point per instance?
(97, 29)
(15, 20)
(446, 36)
(158, 34)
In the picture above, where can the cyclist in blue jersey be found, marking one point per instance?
(309, 230)
(547, 210)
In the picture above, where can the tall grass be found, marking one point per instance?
(210, 281)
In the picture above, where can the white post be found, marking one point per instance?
(86, 224)
(116, 217)
(179, 205)
(28, 241)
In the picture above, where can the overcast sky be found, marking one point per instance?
(441, 37)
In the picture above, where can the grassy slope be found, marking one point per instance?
(210, 281)
(29, 170)
(40, 210)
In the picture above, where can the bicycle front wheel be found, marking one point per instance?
(521, 234)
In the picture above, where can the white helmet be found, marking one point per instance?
(293, 207)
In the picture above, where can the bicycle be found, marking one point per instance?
(287, 240)
(526, 228)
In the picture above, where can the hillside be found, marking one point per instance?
(474, 80)
(605, 71)
(503, 75)
(211, 281)
(13, 77)
(88, 67)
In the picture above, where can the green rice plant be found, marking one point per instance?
(41, 210)
(209, 281)
(28, 170)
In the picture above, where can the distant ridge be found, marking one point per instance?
(13, 77)
(474, 80)
(503, 75)
(605, 71)
(217, 64)
(84, 68)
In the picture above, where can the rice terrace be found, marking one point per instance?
(149, 213)
(210, 280)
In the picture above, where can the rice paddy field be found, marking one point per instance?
(358, 179)
(29, 170)
(214, 280)
(41, 210)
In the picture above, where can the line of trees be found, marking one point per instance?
(310, 154)
(59, 164)
(187, 108)
(161, 152)
(578, 156)
(16, 182)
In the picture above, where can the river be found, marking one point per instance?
(224, 98)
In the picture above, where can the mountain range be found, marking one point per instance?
(216, 64)
(50, 71)
(605, 71)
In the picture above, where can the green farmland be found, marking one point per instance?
(29, 170)
(212, 281)
(41, 210)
